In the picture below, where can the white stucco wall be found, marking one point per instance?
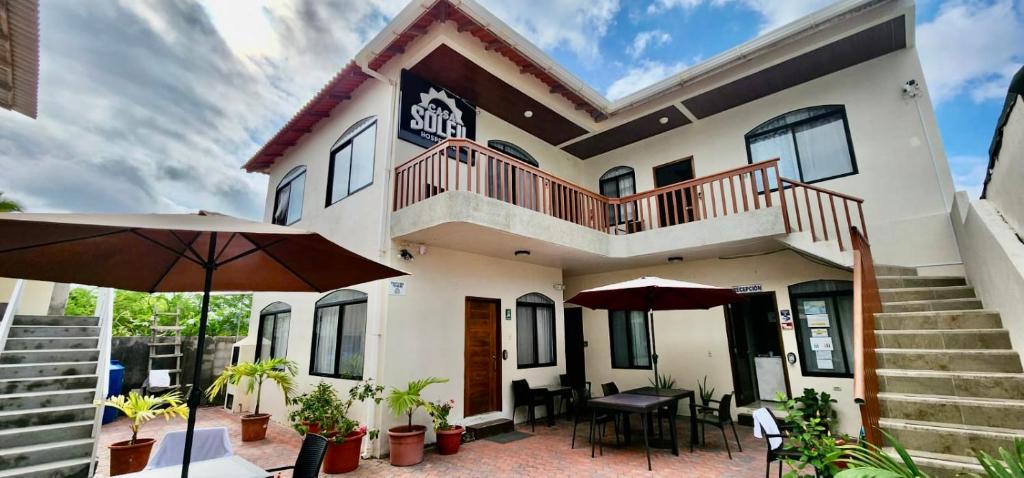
(1004, 189)
(35, 298)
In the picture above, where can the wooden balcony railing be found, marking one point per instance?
(866, 303)
(820, 215)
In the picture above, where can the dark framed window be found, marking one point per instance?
(513, 150)
(619, 182)
(339, 335)
(812, 144)
(288, 198)
(823, 312)
(272, 332)
(351, 167)
(631, 344)
(535, 331)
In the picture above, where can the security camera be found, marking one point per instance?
(405, 255)
(911, 89)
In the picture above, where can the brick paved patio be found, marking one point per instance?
(547, 453)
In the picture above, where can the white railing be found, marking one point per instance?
(9, 312)
(105, 312)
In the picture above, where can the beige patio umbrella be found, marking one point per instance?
(178, 253)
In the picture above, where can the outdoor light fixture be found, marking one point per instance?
(675, 259)
(663, 120)
(528, 114)
(405, 255)
(522, 252)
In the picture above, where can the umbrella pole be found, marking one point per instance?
(654, 353)
(194, 394)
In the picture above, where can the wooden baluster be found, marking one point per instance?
(821, 211)
(714, 204)
(767, 188)
(725, 203)
(782, 199)
(743, 191)
(458, 168)
(732, 192)
(703, 202)
(796, 208)
(753, 190)
(846, 210)
(863, 225)
(810, 214)
(671, 215)
(835, 221)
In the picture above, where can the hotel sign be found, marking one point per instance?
(430, 114)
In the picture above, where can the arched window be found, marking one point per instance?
(823, 312)
(535, 331)
(272, 333)
(618, 182)
(812, 144)
(288, 198)
(512, 150)
(339, 335)
(351, 167)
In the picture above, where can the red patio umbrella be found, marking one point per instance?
(654, 293)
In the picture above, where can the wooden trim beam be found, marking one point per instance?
(339, 96)
(495, 45)
(469, 27)
(416, 31)
(395, 49)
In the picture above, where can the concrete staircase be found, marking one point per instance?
(47, 385)
(949, 379)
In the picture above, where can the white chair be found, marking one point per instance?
(207, 444)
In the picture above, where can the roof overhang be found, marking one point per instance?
(19, 56)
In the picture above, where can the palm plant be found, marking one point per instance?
(9, 205)
(405, 402)
(142, 408)
(280, 371)
(664, 381)
(1008, 465)
(870, 461)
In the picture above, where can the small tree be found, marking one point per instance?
(142, 408)
(9, 205)
(277, 370)
(405, 402)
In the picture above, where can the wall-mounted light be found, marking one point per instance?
(528, 114)
(675, 259)
(405, 255)
(663, 120)
(522, 252)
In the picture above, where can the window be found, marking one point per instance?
(812, 144)
(823, 311)
(272, 331)
(619, 182)
(630, 343)
(513, 150)
(339, 332)
(351, 166)
(288, 199)
(535, 331)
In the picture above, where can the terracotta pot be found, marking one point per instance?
(313, 428)
(125, 458)
(343, 457)
(448, 440)
(406, 444)
(254, 427)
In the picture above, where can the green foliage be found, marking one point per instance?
(706, 395)
(867, 460)
(811, 422)
(327, 410)
(405, 402)
(280, 371)
(664, 381)
(142, 408)
(81, 302)
(133, 312)
(439, 411)
(9, 205)
(1007, 465)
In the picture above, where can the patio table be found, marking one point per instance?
(550, 392)
(677, 394)
(233, 466)
(633, 403)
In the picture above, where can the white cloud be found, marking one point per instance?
(645, 39)
(774, 13)
(971, 48)
(968, 173)
(574, 25)
(647, 73)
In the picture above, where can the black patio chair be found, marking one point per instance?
(581, 412)
(778, 452)
(311, 456)
(609, 389)
(524, 396)
(718, 417)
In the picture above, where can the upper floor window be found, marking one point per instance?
(812, 144)
(288, 198)
(339, 334)
(513, 150)
(535, 331)
(351, 167)
(619, 182)
(272, 332)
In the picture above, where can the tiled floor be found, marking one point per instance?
(546, 453)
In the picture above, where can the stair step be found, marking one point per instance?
(490, 428)
(41, 384)
(926, 293)
(896, 282)
(48, 356)
(51, 343)
(940, 465)
(46, 416)
(949, 438)
(29, 455)
(932, 305)
(50, 398)
(956, 384)
(47, 370)
(52, 331)
(891, 270)
(38, 434)
(944, 339)
(62, 320)
(76, 468)
(950, 360)
(948, 319)
(986, 412)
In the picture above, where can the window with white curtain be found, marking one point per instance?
(273, 331)
(351, 167)
(812, 144)
(288, 198)
(630, 343)
(339, 333)
(619, 182)
(535, 331)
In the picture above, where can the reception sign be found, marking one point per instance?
(430, 114)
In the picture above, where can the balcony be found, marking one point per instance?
(464, 196)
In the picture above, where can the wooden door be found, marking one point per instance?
(673, 206)
(482, 357)
(575, 360)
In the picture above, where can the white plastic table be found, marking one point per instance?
(232, 466)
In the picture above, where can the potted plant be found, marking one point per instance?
(810, 421)
(280, 371)
(132, 455)
(406, 441)
(449, 436)
(322, 411)
(706, 394)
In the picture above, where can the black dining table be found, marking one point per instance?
(645, 401)
(551, 392)
(676, 394)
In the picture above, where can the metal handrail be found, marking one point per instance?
(105, 312)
